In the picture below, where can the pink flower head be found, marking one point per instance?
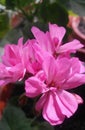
(52, 83)
(20, 59)
(52, 41)
(12, 67)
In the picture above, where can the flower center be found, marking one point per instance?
(53, 85)
(55, 54)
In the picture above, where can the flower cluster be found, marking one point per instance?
(48, 70)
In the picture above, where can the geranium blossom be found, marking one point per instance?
(48, 70)
(18, 60)
(26, 54)
(52, 84)
(12, 66)
(52, 41)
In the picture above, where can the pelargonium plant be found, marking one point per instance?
(47, 69)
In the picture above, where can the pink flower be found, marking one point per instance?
(52, 41)
(13, 67)
(19, 60)
(52, 83)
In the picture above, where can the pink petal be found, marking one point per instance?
(67, 103)
(39, 54)
(43, 39)
(51, 111)
(63, 69)
(3, 82)
(56, 32)
(41, 75)
(11, 74)
(74, 81)
(32, 57)
(40, 103)
(34, 87)
(50, 45)
(17, 72)
(20, 42)
(76, 65)
(11, 55)
(40, 37)
(78, 98)
(49, 66)
(74, 45)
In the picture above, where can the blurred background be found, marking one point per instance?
(18, 16)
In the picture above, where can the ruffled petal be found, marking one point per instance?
(11, 74)
(67, 103)
(51, 110)
(34, 87)
(11, 55)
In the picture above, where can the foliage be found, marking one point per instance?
(43, 11)
(4, 23)
(57, 17)
(14, 119)
(2, 2)
(51, 10)
(55, 11)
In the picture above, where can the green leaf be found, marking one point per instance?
(4, 125)
(18, 3)
(54, 13)
(14, 119)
